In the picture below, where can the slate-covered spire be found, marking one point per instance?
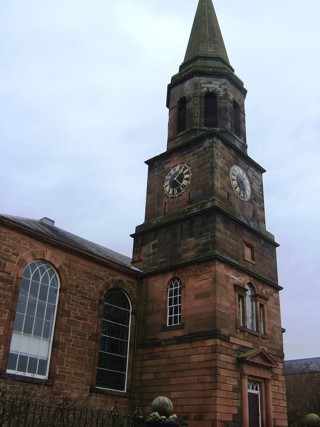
(206, 38)
(206, 86)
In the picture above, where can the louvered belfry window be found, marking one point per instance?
(236, 119)
(210, 110)
(182, 115)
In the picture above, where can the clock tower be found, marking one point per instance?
(210, 335)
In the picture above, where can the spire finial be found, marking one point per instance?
(206, 38)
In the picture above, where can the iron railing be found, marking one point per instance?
(23, 413)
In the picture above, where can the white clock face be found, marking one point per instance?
(240, 183)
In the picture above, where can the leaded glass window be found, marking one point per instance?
(114, 342)
(174, 302)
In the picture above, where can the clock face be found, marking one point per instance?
(177, 180)
(240, 183)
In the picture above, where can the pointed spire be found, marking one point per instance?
(206, 38)
(205, 67)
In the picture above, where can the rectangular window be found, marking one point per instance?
(248, 252)
(262, 319)
(241, 310)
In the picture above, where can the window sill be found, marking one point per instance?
(25, 379)
(246, 331)
(101, 390)
(252, 261)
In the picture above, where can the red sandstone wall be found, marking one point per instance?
(195, 364)
(84, 283)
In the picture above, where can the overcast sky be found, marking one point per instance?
(82, 105)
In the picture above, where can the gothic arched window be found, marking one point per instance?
(182, 115)
(236, 119)
(114, 341)
(33, 329)
(174, 302)
(210, 110)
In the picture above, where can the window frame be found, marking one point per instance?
(254, 390)
(174, 303)
(241, 317)
(262, 325)
(249, 252)
(258, 311)
(35, 320)
(110, 340)
(251, 322)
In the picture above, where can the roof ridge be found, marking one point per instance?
(70, 239)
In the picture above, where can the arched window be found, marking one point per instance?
(236, 119)
(34, 321)
(182, 115)
(174, 302)
(114, 341)
(250, 308)
(210, 110)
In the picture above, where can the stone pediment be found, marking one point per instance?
(258, 357)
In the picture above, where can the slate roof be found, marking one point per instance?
(302, 365)
(46, 229)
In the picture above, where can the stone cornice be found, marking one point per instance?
(205, 135)
(182, 339)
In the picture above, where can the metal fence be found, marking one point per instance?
(24, 413)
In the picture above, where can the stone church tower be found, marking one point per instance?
(210, 335)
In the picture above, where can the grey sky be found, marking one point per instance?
(83, 91)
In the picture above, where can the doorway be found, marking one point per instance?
(254, 404)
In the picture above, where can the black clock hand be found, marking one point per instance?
(241, 182)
